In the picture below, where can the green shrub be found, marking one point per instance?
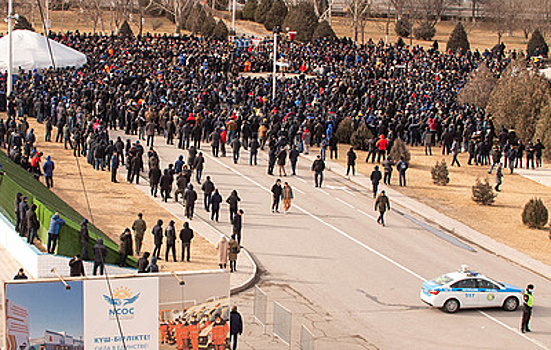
(425, 31)
(221, 31)
(458, 39)
(276, 15)
(399, 149)
(360, 138)
(302, 19)
(323, 30)
(483, 193)
(249, 10)
(403, 28)
(535, 214)
(537, 41)
(440, 174)
(344, 131)
(125, 29)
(262, 10)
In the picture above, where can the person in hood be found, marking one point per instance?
(48, 168)
(53, 232)
(153, 267)
(100, 253)
(157, 233)
(143, 262)
(32, 224)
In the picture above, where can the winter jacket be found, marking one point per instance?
(55, 224)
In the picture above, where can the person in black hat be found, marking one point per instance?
(527, 309)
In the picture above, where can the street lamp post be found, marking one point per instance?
(10, 49)
(233, 18)
(277, 30)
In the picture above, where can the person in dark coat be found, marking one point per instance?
(157, 232)
(276, 196)
(154, 178)
(32, 224)
(166, 185)
(100, 253)
(382, 204)
(18, 199)
(153, 267)
(208, 189)
(375, 177)
(190, 196)
(170, 234)
(125, 247)
(114, 167)
(233, 201)
(351, 161)
(84, 238)
(293, 158)
(186, 235)
(318, 167)
(236, 326)
(23, 207)
(215, 201)
(48, 168)
(237, 225)
(76, 267)
(21, 275)
(143, 263)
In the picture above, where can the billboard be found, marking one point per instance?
(143, 311)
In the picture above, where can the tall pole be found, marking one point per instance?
(10, 49)
(233, 18)
(274, 78)
(47, 18)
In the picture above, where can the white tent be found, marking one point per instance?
(30, 50)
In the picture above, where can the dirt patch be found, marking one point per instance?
(500, 221)
(114, 206)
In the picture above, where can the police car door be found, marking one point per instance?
(466, 292)
(488, 293)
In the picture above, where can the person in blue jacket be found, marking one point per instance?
(53, 232)
(48, 168)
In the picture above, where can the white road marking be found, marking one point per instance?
(299, 179)
(350, 192)
(299, 191)
(322, 191)
(335, 187)
(345, 203)
(379, 254)
(366, 214)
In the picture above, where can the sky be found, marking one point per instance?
(50, 306)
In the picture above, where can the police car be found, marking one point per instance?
(468, 289)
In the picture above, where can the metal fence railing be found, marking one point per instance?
(306, 339)
(282, 323)
(260, 307)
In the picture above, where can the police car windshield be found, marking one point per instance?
(444, 279)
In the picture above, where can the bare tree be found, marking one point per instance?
(430, 11)
(358, 11)
(504, 15)
(92, 10)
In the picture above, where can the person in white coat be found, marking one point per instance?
(222, 246)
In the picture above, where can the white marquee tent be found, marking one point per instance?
(30, 50)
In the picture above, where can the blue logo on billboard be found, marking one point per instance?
(123, 298)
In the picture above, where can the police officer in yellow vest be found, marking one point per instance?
(527, 308)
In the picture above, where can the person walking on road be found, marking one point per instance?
(236, 147)
(215, 201)
(186, 235)
(276, 195)
(208, 189)
(170, 234)
(100, 252)
(287, 196)
(236, 326)
(382, 204)
(318, 167)
(234, 250)
(237, 225)
(222, 247)
(157, 232)
(375, 177)
(351, 161)
(139, 226)
(293, 158)
(233, 201)
(527, 306)
(499, 176)
(53, 232)
(154, 178)
(190, 196)
(456, 149)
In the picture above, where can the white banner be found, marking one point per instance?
(136, 302)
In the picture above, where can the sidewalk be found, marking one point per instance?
(540, 175)
(455, 227)
(247, 269)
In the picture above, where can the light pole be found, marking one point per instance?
(277, 30)
(11, 17)
(233, 18)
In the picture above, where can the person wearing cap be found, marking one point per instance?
(48, 168)
(527, 306)
(318, 167)
(382, 204)
(84, 238)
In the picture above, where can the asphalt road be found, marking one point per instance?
(367, 278)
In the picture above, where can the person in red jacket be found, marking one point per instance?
(220, 330)
(381, 145)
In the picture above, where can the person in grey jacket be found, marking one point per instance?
(100, 253)
(170, 234)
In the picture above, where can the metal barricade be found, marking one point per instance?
(306, 339)
(282, 323)
(260, 307)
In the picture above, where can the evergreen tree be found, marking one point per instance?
(276, 15)
(458, 39)
(537, 44)
(425, 31)
(399, 149)
(440, 174)
(323, 30)
(262, 10)
(535, 214)
(23, 23)
(483, 193)
(221, 31)
(207, 29)
(125, 29)
(361, 137)
(249, 10)
(302, 19)
(403, 28)
(344, 131)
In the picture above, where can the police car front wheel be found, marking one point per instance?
(451, 306)
(511, 304)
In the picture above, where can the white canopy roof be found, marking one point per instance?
(30, 50)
